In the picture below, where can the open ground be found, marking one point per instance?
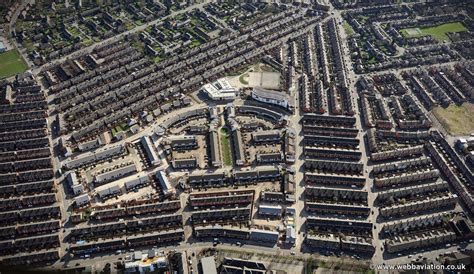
(458, 120)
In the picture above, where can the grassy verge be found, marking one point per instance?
(226, 148)
(11, 63)
(458, 120)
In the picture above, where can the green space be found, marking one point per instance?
(157, 59)
(458, 120)
(11, 63)
(74, 31)
(87, 42)
(28, 45)
(437, 32)
(363, 18)
(225, 147)
(348, 28)
(137, 45)
(129, 25)
(242, 79)
(372, 60)
(194, 43)
(121, 127)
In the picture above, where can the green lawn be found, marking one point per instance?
(157, 59)
(194, 43)
(74, 31)
(437, 32)
(225, 146)
(363, 19)
(348, 28)
(372, 60)
(242, 79)
(87, 42)
(11, 63)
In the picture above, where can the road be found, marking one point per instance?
(352, 80)
(197, 247)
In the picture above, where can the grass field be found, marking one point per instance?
(225, 146)
(11, 63)
(458, 120)
(438, 32)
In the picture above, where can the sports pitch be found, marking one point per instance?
(11, 63)
(437, 32)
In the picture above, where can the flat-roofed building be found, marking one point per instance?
(272, 97)
(220, 90)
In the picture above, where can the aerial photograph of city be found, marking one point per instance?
(237, 136)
